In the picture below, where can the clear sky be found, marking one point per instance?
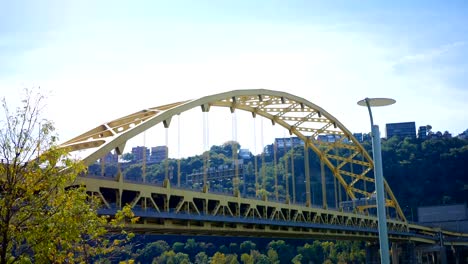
(99, 60)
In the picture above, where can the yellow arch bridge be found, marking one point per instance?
(166, 207)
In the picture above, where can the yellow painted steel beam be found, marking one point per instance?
(299, 116)
(260, 210)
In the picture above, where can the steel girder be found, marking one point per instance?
(297, 115)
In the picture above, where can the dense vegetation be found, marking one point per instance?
(426, 172)
(219, 251)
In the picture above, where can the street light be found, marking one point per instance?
(378, 175)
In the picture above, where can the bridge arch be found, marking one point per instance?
(299, 116)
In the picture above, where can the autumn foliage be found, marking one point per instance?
(44, 216)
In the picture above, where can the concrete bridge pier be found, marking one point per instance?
(400, 253)
(372, 253)
(395, 253)
(406, 253)
(410, 253)
(433, 254)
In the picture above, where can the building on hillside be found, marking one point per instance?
(282, 143)
(110, 158)
(328, 138)
(401, 130)
(245, 154)
(366, 137)
(268, 149)
(358, 136)
(159, 153)
(449, 217)
(140, 153)
(422, 132)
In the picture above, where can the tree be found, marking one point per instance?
(231, 259)
(166, 257)
(311, 252)
(284, 251)
(128, 156)
(133, 172)
(297, 259)
(201, 258)
(223, 249)
(152, 250)
(178, 246)
(273, 256)
(247, 258)
(218, 258)
(181, 258)
(233, 248)
(44, 215)
(247, 246)
(191, 247)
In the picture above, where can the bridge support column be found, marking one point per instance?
(442, 250)
(443, 255)
(372, 253)
(395, 253)
(432, 254)
(408, 253)
(401, 253)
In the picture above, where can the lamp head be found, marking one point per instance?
(376, 102)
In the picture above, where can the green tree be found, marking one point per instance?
(218, 258)
(297, 259)
(166, 257)
(233, 248)
(128, 156)
(259, 258)
(191, 247)
(133, 172)
(311, 252)
(227, 149)
(273, 256)
(181, 258)
(201, 258)
(44, 215)
(151, 251)
(284, 251)
(178, 246)
(247, 246)
(328, 248)
(342, 257)
(223, 249)
(111, 170)
(247, 258)
(231, 259)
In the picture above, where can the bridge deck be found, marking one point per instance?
(166, 210)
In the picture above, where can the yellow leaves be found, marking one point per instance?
(131, 261)
(57, 222)
(122, 216)
(134, 220)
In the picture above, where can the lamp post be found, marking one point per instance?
(378, 175)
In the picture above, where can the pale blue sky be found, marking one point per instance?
(104, 59)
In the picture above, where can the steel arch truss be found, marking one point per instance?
(346, 158)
